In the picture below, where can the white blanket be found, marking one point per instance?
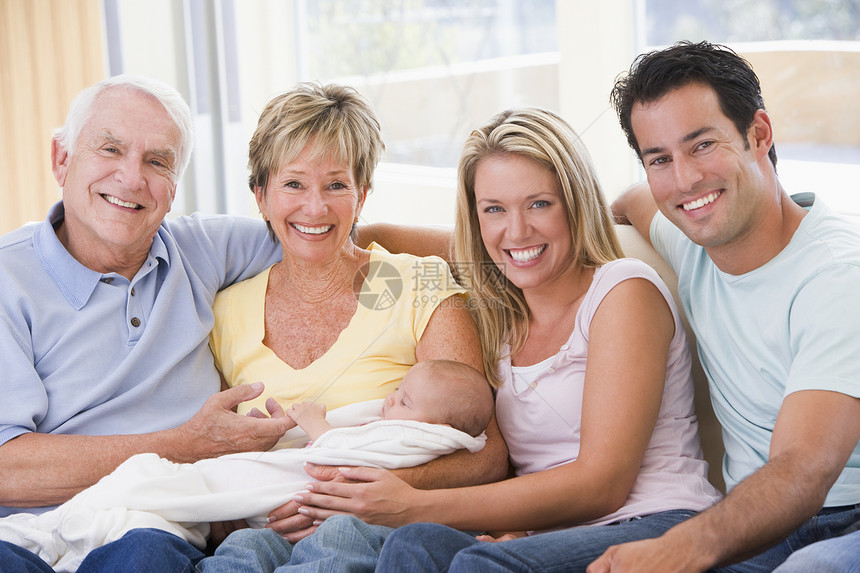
(149, 491)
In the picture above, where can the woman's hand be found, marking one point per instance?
(373, 495)
(494, 537)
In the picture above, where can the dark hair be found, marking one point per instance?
(656, 73)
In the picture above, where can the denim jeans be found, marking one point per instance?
(14, 559)
(430, 547)
(143, 551)
(834, 555)
(341, 544)
(138, 551)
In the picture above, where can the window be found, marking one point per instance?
(807, 56)
(436, 69)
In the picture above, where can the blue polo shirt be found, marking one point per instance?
(96, 354)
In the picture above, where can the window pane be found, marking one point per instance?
(434, 69)
(751, 21)
(807, 56)
(363, 37)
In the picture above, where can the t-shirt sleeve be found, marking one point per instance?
(824, 329)
(668, 240)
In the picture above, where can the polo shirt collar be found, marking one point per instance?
(75, 281)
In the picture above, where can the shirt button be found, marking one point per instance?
(135, 322)
(550, 370)
(107, 280)
(564, 346)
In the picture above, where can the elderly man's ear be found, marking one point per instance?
(59, 162)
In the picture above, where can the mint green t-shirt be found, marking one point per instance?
(792, 324)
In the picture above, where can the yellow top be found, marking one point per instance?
(367, 360)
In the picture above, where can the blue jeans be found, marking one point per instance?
(14, 559)
(342, 544)
(143, 551)
(835, 555)
(430, 547)
(138, 551)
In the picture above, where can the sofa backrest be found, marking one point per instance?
(636, 247)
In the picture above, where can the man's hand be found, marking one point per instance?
(216, 429)
(649, 555)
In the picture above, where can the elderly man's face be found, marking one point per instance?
(120, 181)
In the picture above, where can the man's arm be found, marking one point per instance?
(47, 469)
(636, 207)
(815, 433)
(418, 241)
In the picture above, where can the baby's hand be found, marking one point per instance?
(307, 410)
(311, 418)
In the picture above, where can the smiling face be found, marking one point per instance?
(312, 203)
(523, 220)
(120, 180)
(706, 177)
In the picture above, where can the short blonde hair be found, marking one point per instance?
(337, 118)
(499, 307)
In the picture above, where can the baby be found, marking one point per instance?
(433, 391)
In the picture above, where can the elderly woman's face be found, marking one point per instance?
(312, 203)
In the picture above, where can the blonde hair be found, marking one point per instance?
(337, 118)
(498, 306)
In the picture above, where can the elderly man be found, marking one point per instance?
(770, 286)
(106, 311)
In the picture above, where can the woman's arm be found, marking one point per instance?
(451, 334)
(628, 348)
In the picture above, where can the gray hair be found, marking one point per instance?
(82, 109)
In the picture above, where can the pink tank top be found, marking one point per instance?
(541, 421)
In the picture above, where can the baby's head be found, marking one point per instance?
(442, 392)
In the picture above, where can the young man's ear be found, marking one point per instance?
(761, 133)
(59, 161)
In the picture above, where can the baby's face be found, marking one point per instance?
(413, 400)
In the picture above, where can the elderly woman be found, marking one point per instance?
(332, 322)
(594, 398)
